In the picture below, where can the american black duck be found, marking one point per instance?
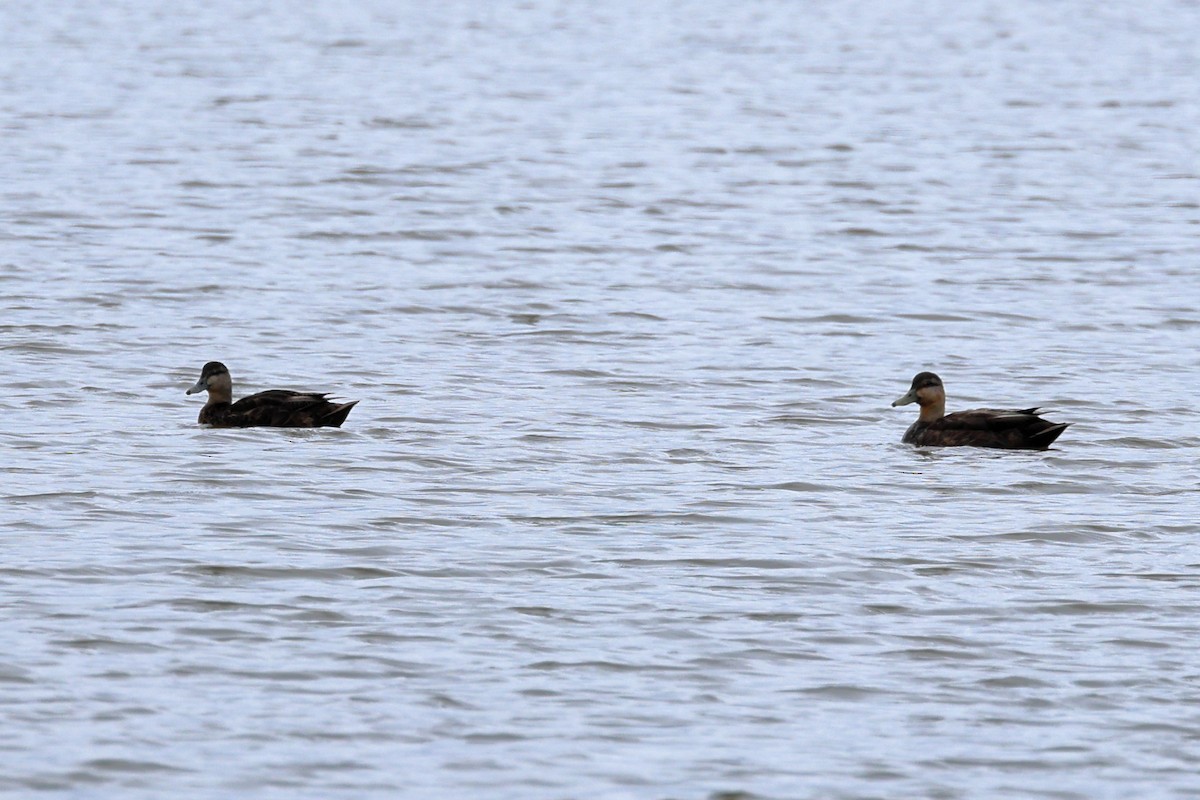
(276, 408)
(981, 427)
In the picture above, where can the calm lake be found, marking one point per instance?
(625, 291)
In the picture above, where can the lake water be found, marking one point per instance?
(625, 291)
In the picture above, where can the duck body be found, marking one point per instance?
(1005, 429)
(986, 427)
(275, 408)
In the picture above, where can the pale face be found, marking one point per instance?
(215, 380)
(927, 390)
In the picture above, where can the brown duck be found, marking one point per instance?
(276, 408)
(980, 427)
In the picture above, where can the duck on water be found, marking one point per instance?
(275, 408)
(981, 427)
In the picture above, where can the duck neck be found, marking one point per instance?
(933, 411)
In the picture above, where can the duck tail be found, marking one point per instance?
(337, 416)
(1045, 437)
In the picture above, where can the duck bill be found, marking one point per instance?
(909, 397)
(200, 386)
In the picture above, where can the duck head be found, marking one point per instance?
(214, 379)
(926, 391)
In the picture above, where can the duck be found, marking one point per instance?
(275, 408)
(1022, 429)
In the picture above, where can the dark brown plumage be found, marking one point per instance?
(275, 408)
(1014, 429)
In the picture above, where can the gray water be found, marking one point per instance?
(625, 291)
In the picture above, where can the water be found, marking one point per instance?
(625, 292)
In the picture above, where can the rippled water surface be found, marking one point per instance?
(625, 291)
